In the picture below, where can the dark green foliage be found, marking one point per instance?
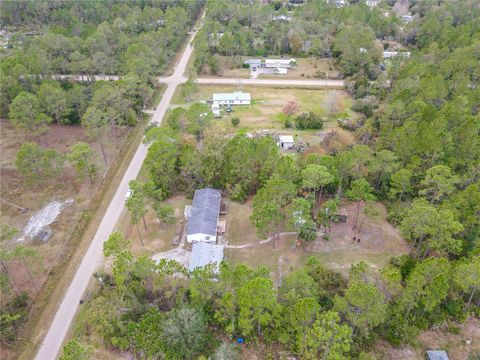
(308, 120)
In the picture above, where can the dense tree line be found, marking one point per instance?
(138, 38)
(418, 151)
(161, 310)
(106, 37)
(315, 28)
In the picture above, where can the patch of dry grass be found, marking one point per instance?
(158, 237)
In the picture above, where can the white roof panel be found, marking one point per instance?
(286, 138)
(204, 254)
(232, 96)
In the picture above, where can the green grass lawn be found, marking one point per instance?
(265, 112)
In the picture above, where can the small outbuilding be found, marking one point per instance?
(394, 54)
(204, 254)
(286, 142)
(216, 110)
(235, 98)
(284, 18)
(436, 355)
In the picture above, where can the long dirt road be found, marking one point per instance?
(64, 316)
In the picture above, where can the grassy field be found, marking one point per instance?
(158, 236)
(266, 109)
(379, 242)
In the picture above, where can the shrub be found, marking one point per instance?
(308, 120)
(235, 121)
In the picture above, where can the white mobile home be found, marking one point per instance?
(203, 216)
(235, 98)
(280, 63)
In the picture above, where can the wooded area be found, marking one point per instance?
(39, 39)
(417, 151)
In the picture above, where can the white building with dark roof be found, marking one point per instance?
(204, 254)
(202, 218)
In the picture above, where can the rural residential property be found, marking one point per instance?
(240, 180)
(202, 216)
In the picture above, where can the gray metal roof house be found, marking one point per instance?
(203, 216)
(204, 254)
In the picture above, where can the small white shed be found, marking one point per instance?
(216, 110)
(286, 142)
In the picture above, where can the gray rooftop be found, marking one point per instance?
(253, 61)
(204, 212)
(437, 355)
(204, 254)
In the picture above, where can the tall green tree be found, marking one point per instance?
(136, 206)
(30, 259)
(360, 191)
(81, 156)
(401, 184)
(269, 203)
(315, 177)
(37, 164)
(363, 305)
(327, 339)
(24, 110)
(115, 244)
(53, 101)
(466, 275)
(95, 125)
(438, 183)
(185, 332)
(426, 287)
(257, 305)
(431, 229)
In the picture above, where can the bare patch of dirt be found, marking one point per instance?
(379, 240)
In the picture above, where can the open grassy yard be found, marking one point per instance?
(265, 112)
(157, 238)
(379, 242)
